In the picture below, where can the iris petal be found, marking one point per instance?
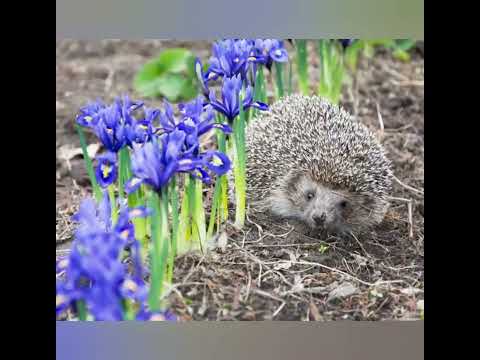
(133, 184)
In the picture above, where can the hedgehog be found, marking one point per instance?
(310, 161)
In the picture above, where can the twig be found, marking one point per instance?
(262, 263)
(278, 309)
(395, 74)
(266, 294)
(360, 244)
(284, 245)
(407, 186)
(410, 213)
(380, 120)
(249, 283)
(109, 80)
(193, 269)
(334, 270)
(410, 219)
(399, 199)
(419, 83)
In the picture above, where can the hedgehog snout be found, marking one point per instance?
(319, 220)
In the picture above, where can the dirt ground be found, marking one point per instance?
(268, 271)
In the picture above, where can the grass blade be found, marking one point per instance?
(302, 66)
(88, 163)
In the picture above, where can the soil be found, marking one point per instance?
(268, 271)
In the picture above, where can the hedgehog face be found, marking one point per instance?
(317, 205)
(320, 207)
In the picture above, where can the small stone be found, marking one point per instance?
(344, 290)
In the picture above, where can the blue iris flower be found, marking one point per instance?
(141, 131)
(269, 51)
(156, 162)
(233, 57)
(106, 171)
(146, 315)
(90, 113)
(94, 271)
(229, 105)
(230, 57)
(199, 118)
(110, 129)
(346, 42)
(167, 119)
(114, 124)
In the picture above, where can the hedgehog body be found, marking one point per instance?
(309, 160)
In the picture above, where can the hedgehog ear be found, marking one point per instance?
(293, 179)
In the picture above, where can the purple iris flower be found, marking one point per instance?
(94, 271)
(90, 113)
(270, 50)
(229, 105)
(230, 57)
(113, 123)
(106, 171)
(199, 118)
(346, 42)
(141, 131)
(156, 162)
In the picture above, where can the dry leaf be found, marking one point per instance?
(315, 312)
(67, 152)
(284, 265)
(344, 290)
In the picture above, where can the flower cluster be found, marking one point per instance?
(229, 105)
(346, 42)
(118, 124)
(94, 272)
(235, 61)
(233, 57)
(177, 149)
(270, 50)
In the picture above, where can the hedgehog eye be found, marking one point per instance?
(343, 204)
(310, 195)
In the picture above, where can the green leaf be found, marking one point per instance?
(401, 55)
(405, 44)
(352, 53)
(171, 75)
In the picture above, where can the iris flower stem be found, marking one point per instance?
(214, 207)
(324, 84)
(290, 78)
(184, 221)
(134, 199)
(223, 199)
(121, 171)
(88, 163)
(239, 166)
(259, 89)
(113, 203)
(332, 70)
(175, 229)
(82, 310)
(219, 195)
(352, 54)
(302, 66)
(160, 234)
(199, 231)
(128, 311)
(279, 79)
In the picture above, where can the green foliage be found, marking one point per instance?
(400, 48)
(302, 65)
(352, 53)
(171, 75)
(332, 69)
